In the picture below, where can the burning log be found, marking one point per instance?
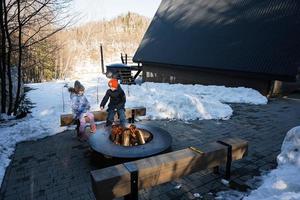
(126, 138)
(130, 136)
(137, 134)
(116, 134)
(140, 137)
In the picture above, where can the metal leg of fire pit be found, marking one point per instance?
(216, 170)
(131, 120)
(229, 159)
(134, 181)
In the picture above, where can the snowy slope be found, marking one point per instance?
(162, 101)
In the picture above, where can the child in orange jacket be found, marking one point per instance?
(117, 100)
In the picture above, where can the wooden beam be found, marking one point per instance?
(163, 168)
(67, 119)
(239, 147)
(112, 181)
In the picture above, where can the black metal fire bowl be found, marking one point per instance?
(101, 143)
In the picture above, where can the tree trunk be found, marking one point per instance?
(8, 57)
(2, 60)
(19, 60)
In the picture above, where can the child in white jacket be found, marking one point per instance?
(80, 108)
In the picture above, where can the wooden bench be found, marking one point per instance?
(130, 113)
(127, 178)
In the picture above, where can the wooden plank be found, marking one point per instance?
(111, 182)
(239, 147)
(167, 167)
(67, 119)
(164, 168)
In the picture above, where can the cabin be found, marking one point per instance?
(250, 43)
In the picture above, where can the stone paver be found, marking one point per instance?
(58, 167)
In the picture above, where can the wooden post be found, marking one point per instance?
(122, 59)
(102, 60)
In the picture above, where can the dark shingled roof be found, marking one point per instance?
(258, 36)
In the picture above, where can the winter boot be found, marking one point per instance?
(93, 128)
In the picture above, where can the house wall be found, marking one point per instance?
(153, 73)
(282, 88)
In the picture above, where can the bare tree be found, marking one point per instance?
(122, 34)
(17, 101)
(8, 56)
(24, 25)
(2, 59)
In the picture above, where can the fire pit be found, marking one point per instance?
(136, 141)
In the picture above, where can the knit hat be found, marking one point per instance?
(113, 83)
(78, 86)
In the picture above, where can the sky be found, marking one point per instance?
(93, 10)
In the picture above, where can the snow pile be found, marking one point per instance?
(162, 101)
(177, 101)
(282, 183)
(189, 102)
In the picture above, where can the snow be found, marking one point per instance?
(282, 183)
(162, 101)
(5, 117)
(43, 121)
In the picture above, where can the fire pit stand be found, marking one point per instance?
(101, 143)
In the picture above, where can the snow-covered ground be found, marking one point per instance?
(162, 101)
(282, 183)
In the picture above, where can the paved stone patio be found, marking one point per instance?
(58, 167)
